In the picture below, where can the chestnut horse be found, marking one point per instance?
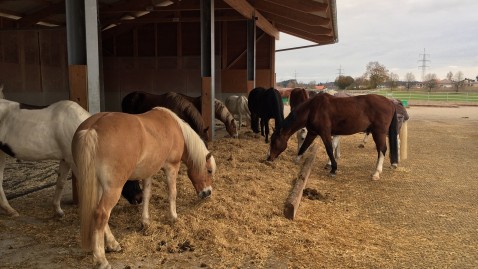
(220, 111)
(264, 105)
(110, 148)
(139, 102)
(326, 115)
(298, 96)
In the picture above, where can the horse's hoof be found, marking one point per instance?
(114, 248)
(332, 174)
(59, 213)
(394, 166)
(104, 265)
(375, 177)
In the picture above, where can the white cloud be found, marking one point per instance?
(393, 33)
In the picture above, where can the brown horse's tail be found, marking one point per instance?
(393, 140)
(84, 154)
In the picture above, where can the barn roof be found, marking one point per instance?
(313, 20)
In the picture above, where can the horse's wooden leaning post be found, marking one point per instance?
(293, 201)
(403, 141)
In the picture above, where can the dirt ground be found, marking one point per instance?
(422, 215)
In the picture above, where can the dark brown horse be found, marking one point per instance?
(220, 111)
(326, 115)
(264, 105)
(139, 102)
(297, 97)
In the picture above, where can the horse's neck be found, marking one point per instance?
(222, 113)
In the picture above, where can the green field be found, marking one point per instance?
(462, 97)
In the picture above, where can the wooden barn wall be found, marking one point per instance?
(34, 66)
(165, 57)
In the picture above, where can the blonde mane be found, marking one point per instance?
(197, 151)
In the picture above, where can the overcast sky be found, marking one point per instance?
(392, 32)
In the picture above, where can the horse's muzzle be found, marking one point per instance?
(205, 193)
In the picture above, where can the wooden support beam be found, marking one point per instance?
(307, 6)
(313, 29)
(321, 39)
(248, 11)
(291, 14)
(293, 201)
(32, 19)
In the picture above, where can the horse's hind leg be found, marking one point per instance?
(108, 200)
(380, 142)
(111, 244)
(60, 185)
(3, 199)
(146, 196)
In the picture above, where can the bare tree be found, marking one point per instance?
(431, 81)
(393, 80)
(409, 78)
(376, 73)
(449, 76)
(458, 80)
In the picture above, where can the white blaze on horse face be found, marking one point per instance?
(376, 175)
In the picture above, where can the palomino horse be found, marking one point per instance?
(326, 115)
(264, 105)
(110, 148)
(237, 105)
(297, 97)
(220, 111)
(139, 102)
(36, 133)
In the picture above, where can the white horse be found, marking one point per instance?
(39, 133)
(237, 105)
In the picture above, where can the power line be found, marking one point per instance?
(340, 71)
(423, 59)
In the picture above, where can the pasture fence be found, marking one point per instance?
(450, 97)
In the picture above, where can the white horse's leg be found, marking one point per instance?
(364, 141)
(111, 244)
(376, 175)
(171, 175)
(398, 146)
(336, 146)
(60, 185)
(3, 199)
(146, 196)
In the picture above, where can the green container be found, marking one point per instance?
(285, 100)
(405, 103)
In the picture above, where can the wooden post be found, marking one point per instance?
(293, 201)
(404, 141)
(79, 93)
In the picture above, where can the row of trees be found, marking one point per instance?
(377, 75)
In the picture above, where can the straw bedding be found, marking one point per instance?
(422, 214)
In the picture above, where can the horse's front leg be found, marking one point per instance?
(146, 220)
(327, 139)
(262, 126)
(267, 130)
(171, 176)
(309, 138)
(60, 185)
(3, 199)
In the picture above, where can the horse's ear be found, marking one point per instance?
(208, 156)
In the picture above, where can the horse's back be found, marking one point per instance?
(351, 115)
(43, 133)
(297, 97)
(139, 144)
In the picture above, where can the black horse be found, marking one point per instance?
(264, 105)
